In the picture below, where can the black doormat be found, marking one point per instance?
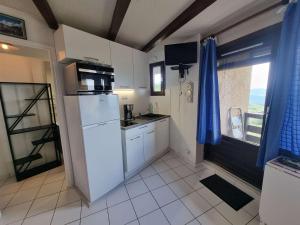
(227, 192)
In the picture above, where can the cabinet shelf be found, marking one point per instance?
(18, 115)
(29, 129)
(43, 140)
(41, 99)
(27, 159)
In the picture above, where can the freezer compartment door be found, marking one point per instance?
(104, 159)
(98, 108)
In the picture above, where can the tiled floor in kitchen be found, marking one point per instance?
(167, 192)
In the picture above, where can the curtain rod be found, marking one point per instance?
(280, 3)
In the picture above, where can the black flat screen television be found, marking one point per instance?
(185, 53)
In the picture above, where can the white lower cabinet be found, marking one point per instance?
(162, 135)
(149, 145)
(134, 152)
(143, 143)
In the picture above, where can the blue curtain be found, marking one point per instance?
(282, 129)
(208, 127)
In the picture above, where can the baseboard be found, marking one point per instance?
(133, 173)
(187, 160)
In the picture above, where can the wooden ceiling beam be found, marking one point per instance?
(193, 10)
(118, 16)
(45, 10)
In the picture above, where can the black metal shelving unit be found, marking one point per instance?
(45, 152)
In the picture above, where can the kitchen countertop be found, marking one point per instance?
(142, 121)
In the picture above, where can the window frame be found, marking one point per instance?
(162, 66)
(236, 156)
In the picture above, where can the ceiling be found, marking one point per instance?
(144, 18)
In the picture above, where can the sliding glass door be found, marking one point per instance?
(244, 72)
(242, 101)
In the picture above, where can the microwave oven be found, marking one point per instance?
(88, 78)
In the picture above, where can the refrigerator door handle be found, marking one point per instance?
(93, 125)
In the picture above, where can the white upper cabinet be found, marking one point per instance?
(72, 44)
(122, 62)
(140, 69)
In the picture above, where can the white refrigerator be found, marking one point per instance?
(95, 142)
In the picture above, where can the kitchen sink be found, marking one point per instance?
(150, 116)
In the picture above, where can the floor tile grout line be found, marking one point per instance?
(38, 186)
(32, 203)
(35, 198)
(222, 214)
(183, 202)
(55, 208)
(131, 198)
(132, 203)
(252, 219)
(177, 198)
(159, 206)
(80, 212)
(23, 219)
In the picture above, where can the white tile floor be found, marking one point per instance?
(166, 193)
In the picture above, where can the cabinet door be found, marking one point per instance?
(134, 153)
(140, 69)
(71, 43)
(149, 145)
(122, 61)
(162, 135)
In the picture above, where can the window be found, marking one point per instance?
(243, 72)
(157, 79)
(242, 101)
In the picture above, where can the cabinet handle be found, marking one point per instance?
(91, 58)
(143, 127)
(93, 125)
(135, 138)
(150, 132)
(123, 86)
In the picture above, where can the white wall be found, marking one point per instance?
(138, 97)
(250, 26)
(40, 36)
(183, 114)
(37, 30)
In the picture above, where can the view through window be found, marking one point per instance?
(242, 100)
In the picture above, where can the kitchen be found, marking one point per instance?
(125, 103)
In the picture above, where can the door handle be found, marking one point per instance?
(143, 127)
(135, 138)
(91, 58)
(93, 126)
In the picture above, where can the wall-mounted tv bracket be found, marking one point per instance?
(182, 69)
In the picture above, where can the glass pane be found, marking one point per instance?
(157, 79)
(242, 100)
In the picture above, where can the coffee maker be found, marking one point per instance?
(128, 108)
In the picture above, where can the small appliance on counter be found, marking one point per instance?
(88, 78)
(128, 109)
